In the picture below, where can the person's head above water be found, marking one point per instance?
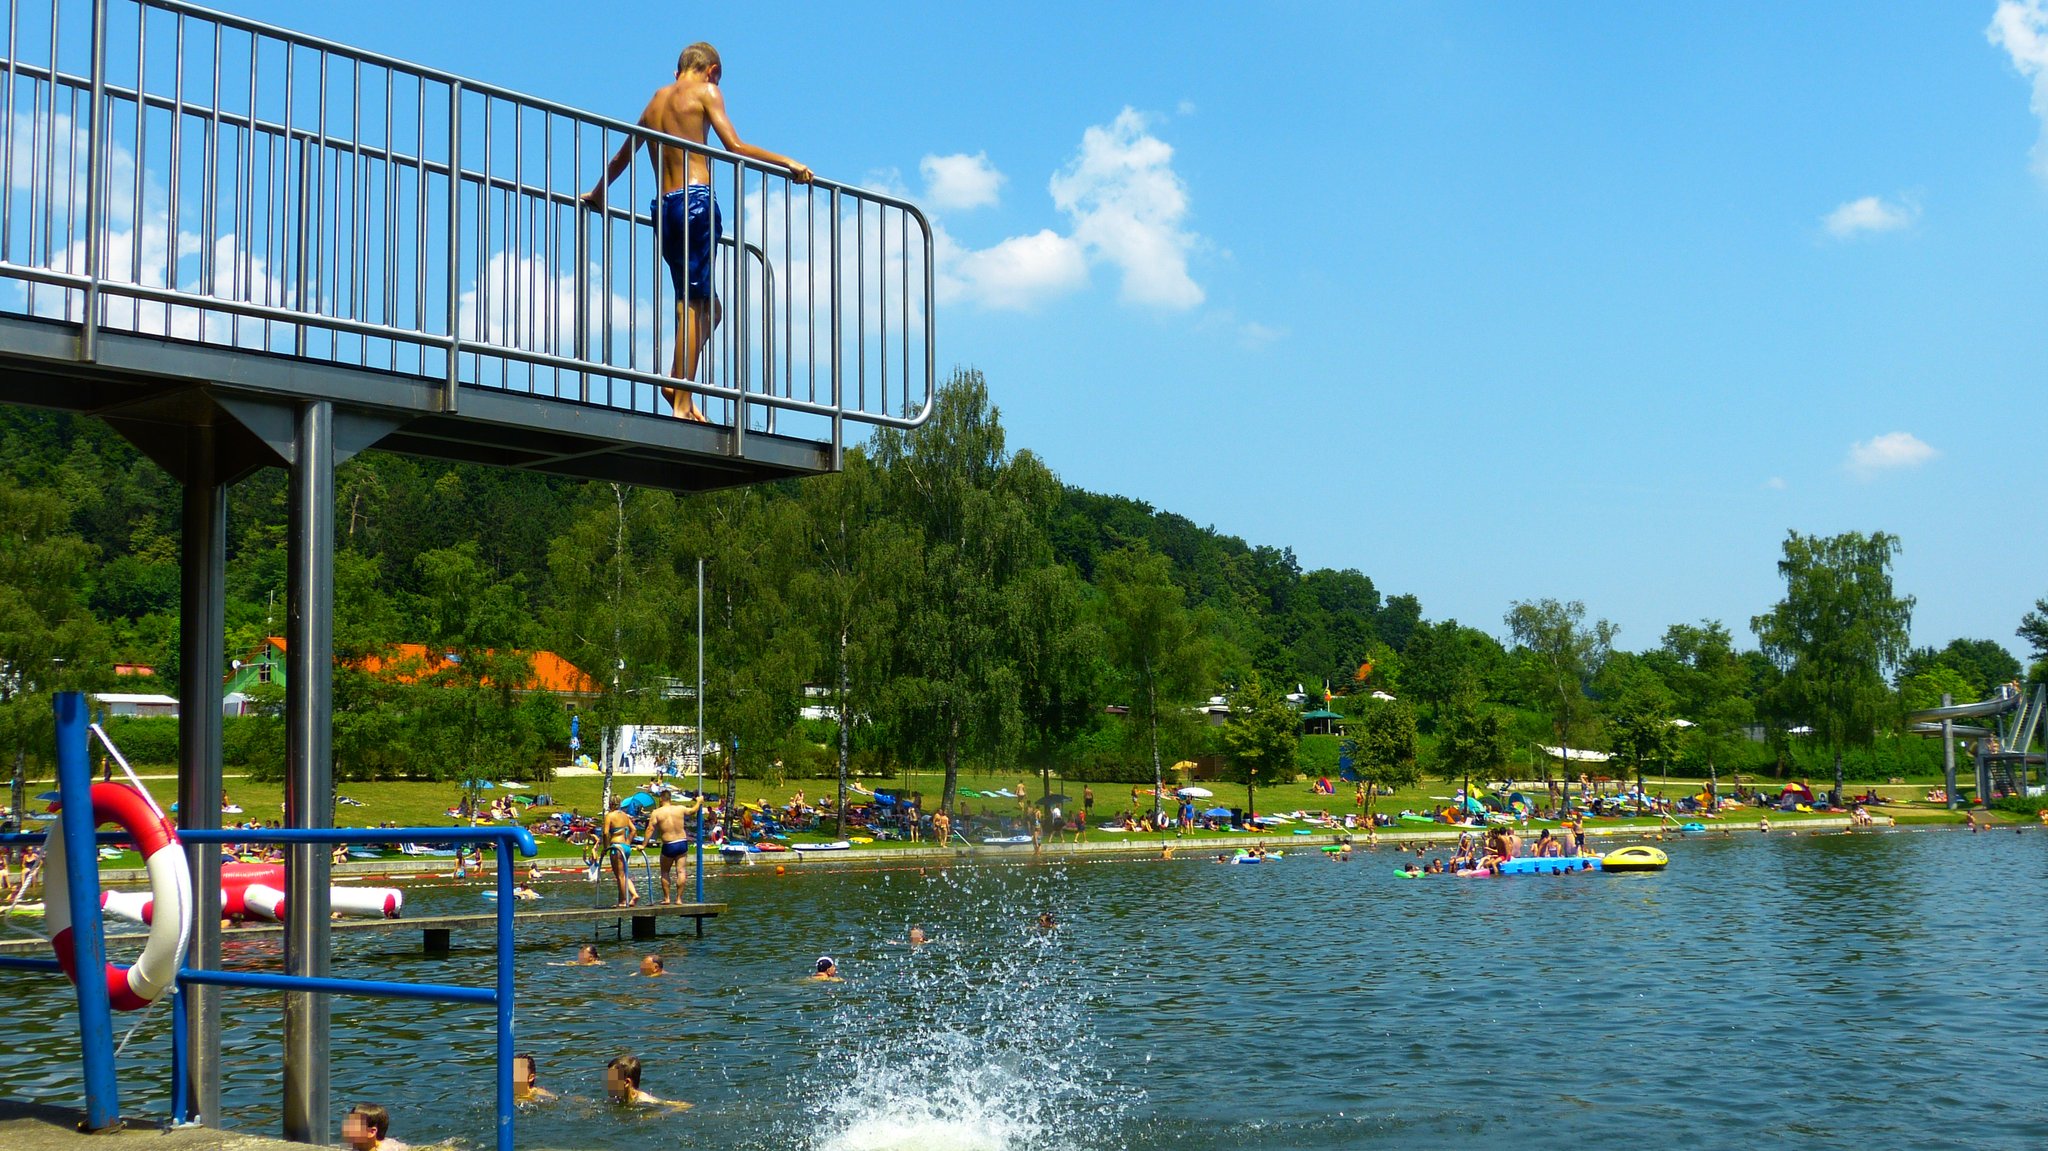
(622, 1077)
(653, 965)
(825, 966)
(700, 57)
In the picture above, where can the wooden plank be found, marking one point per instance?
(650, 913)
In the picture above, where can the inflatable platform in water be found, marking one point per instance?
(1556, 865)
(1636, 858)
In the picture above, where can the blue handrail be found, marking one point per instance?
(500, 996)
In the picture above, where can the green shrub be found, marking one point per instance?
(151, 740)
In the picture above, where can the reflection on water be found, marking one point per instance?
(1861, 991)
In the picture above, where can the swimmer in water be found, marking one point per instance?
(1046, 925)
(652, 966)
(586, 956)
(526, 1086)
(622, 1086)
(825, 970)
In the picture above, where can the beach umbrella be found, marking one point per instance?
(1195, 792)
(479, 784)
(1054, 800)
(1216, 813)
(51, 796)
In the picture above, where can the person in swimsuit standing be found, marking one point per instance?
(618, 840)
(670, 824)
(688, 216)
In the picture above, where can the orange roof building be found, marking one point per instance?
(410, 662)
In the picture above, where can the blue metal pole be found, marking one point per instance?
(700, 837)
(180, 1023)
(88, 934)
(506, 899)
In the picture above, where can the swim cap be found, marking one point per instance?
(825, 964)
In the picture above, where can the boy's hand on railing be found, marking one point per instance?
(594, 199)
(799, 172)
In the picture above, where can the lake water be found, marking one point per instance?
(1866, 991)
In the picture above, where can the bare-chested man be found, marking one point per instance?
(688, 214)
(670, 824)
(618, 841)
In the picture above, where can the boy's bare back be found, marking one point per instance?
(684, 108)
(691, 107)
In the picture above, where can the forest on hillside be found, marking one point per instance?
(947, 591)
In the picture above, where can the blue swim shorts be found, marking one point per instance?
(690, 224)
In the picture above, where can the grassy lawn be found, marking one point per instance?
(410, 804)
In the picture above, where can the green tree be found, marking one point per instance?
(1442, 658)
(1259, 739)
(1836, 634)
(1639, 721)
(860, 559)
(1924, 689)
(1386, 740)
(1709, 683)
(1473, 738)
(1983, 666)
(49, 639)
(1057, 665)
(1560, 652)
(1152, 642)
(2034, 629)
(980, 514)
(472, 623)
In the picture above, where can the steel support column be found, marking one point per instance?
(201, 643)
(309, 769)
(1948, 753)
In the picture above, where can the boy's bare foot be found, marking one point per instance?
(689, 412)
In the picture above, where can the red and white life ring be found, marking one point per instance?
(170, 885)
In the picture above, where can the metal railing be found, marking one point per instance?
(177, 172)
(498, 996)
(96, 1028)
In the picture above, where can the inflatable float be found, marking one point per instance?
(1551, 865)
(836, 845)
(136, 987)
(257, 889)
(1634, 858)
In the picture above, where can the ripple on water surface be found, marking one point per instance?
(1819, 991)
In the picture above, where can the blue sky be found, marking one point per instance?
(1590, 300)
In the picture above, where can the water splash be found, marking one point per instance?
(977, 1041)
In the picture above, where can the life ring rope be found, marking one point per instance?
(135, 987)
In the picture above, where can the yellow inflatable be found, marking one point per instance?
(1635, 858)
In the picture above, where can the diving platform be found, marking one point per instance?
(209, 221)
(435, 930)
(243, 247)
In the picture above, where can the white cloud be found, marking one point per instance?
(1126, 207)
(1869, 214)
(1016, 274)
(1775, 483)
(960, 182)
(1887, 452)
(1128, 204)
(2021, 28)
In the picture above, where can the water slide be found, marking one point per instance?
(2014, 736)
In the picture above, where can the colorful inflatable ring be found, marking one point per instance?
(170, 885)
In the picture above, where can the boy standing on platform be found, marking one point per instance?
(691, 107)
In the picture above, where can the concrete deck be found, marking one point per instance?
(38, 1127)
